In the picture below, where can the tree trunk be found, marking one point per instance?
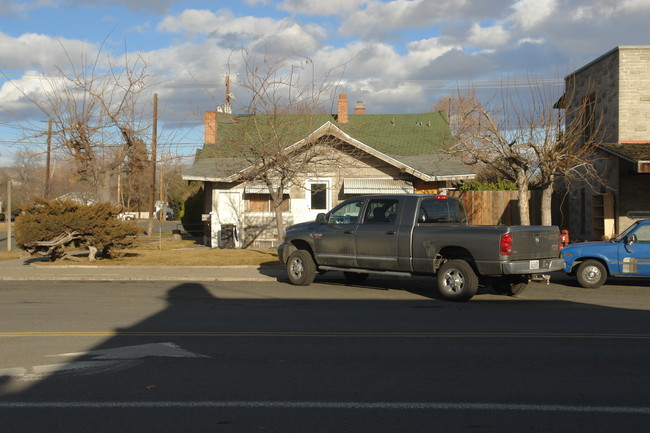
(279, 221)
(547, 197)
(522, 196)
(104, 187)
(92, 253)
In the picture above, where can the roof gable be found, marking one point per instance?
(411, 142)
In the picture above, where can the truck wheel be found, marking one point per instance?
(510, 285)
(591, 274)
(355, 277)
(457, 281)
(301, 268)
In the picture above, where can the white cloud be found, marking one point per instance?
(320, 7)
(422, 52)
(634, 5)
(32, 50)
(491, 37)
(529, 13)
(240, 31)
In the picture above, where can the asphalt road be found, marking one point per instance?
(243, 357)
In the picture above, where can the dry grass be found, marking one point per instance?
(9, 255)
(182, 253)
(167, 252)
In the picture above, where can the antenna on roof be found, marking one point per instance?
(226, 107)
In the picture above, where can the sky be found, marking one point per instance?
(397, 56)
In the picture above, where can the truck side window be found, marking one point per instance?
(348, 214)
(381, 211)
(439, 211)
(643, 234)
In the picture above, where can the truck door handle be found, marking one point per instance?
(390, 232)
(348, 232)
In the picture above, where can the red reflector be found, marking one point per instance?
(505, 246)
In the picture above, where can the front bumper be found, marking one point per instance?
(282, 252)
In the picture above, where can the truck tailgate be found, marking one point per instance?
(534, 242)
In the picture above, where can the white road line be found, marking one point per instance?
(323, 405)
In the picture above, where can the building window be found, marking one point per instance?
(318, 194)
(263, 203)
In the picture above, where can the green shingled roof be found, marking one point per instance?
(415, 140)
(391, 134)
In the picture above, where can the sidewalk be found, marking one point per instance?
(30, 270)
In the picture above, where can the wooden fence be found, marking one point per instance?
(501, 207)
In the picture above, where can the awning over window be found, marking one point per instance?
(376, 186)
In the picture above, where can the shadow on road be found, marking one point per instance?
(202, 347)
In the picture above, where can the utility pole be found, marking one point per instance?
(47, 159)
(154, 133)
(8, 214)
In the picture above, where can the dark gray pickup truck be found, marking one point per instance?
(416, 234)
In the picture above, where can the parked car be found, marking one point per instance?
(417, 234)
(127, 216)
(627, 255)
(3, 217)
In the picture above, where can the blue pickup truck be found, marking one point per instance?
(627, 255)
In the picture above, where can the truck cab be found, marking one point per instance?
(626, 255)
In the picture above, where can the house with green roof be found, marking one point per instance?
(315, 161)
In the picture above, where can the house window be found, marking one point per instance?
(263, 203)
(318, 194)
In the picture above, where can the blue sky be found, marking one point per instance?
(401, 56)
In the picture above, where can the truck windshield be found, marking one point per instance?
(620, 237)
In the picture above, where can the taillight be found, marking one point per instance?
(505, 246)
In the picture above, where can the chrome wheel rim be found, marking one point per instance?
(297, 268)
(454, 281)
(591, 274)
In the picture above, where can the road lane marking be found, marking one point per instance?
(140, 351)
(298, 334)
(643, 410)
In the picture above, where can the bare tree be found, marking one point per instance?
(272, 138)
(483, 136)
(526, 139)
(96, 108)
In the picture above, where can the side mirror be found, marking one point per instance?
(321, 218)
(630, 240)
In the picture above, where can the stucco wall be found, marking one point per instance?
(228, 201)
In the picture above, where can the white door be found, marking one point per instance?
(318, 196)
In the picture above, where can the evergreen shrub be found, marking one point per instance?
(94, 226)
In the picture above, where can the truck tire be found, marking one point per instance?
(510, 285)
(301, 268)
(355, 277)
(457, 281)
(591, 274)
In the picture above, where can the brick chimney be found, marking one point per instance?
(210, 127)
(342, 114)
(359, 108)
